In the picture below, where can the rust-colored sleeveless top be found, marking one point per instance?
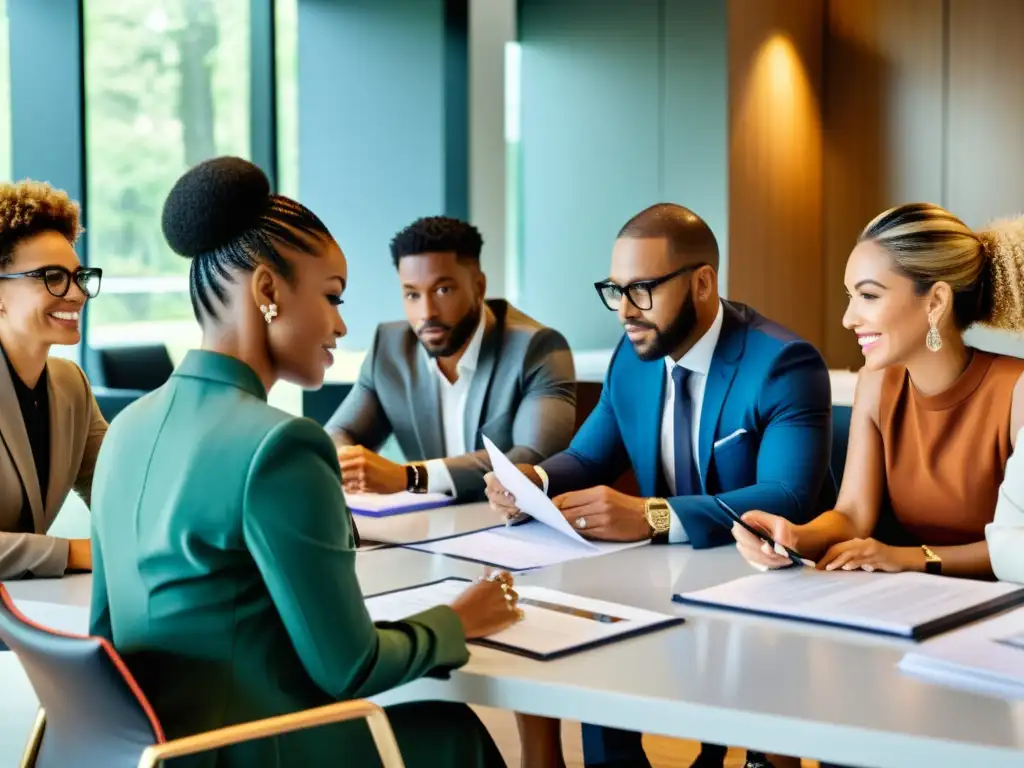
(945, 455)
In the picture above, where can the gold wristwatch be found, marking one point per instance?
(656, 512)
(932, 562)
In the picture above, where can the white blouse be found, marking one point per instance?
(1005, 534)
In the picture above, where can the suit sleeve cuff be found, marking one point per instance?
(445, 624)
(676, 530)
(439, 479)
(545, 481)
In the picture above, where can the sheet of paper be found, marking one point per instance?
(394, 503)
(529, 498)
(987, 656)
(521, 547)
(72, 619)
(554, 621)
(886, 602)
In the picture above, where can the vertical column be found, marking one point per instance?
(47, 106)
(775, 174)
(263, 88)
(492, 25)
(383, 128)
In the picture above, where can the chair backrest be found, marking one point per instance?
(95, 712)
(144, 367)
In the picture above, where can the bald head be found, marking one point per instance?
(689, 238)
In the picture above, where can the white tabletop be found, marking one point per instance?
(746, 681)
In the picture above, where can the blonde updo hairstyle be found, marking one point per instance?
(984, 270)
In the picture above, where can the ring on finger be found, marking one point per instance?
(581, 523)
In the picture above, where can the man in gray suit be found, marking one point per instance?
(459, 369)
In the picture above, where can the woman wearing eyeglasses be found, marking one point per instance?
(50, 425)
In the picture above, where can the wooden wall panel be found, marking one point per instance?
(883, 131)
(985, 127)
(775, 174)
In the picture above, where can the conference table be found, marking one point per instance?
(768, 684)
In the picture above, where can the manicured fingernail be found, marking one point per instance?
(781, 550)
(869, 568)
(848, 567)
(830, 567)
(766, 549)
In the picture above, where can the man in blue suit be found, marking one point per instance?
(703, 397)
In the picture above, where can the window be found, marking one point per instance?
(166, 86)
(5, 96)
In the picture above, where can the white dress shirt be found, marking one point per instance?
(698, 361)
(1005, 534)
(453, 411)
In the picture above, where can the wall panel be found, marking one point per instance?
(883, 131)
(775, 171)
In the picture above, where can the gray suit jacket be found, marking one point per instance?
(76, 430)
(522, 396)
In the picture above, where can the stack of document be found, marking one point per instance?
(386, 504)
(986, 657)
(912, 605)
(547, 539)
(555, 624)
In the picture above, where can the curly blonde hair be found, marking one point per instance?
(985, 269)
(30, 207)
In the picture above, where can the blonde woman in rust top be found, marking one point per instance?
(934, 421)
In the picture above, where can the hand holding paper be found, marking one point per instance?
(529, 498)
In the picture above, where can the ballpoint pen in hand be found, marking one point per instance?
(793, 555)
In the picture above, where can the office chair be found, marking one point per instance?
(92, 711)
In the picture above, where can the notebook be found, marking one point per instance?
(987, 657)
(556, 624)
(386, 504)
(911, 605)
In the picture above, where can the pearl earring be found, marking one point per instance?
(269, 312)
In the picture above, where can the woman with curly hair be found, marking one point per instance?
(50, 425)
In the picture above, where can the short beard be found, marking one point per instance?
(458, 334)
(665, 341)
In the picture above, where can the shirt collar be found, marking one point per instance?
(698, 357)
(471, 357)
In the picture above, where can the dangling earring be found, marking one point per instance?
(934, 339)
(269, 313)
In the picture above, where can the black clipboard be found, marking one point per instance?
(669, 621)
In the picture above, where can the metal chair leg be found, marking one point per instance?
(35, 740)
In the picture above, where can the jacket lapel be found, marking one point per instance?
(649, 406)
(63, 435)
(425, 404)
(723, 370)
(480, 384)
(15, 437)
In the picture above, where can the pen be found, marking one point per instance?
(793, 555)
(582, 613)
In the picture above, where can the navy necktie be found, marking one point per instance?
(687, 479)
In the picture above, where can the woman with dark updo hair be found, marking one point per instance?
(223, 552)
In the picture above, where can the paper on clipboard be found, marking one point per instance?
(529, 498)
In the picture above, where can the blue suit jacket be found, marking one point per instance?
(763, 379)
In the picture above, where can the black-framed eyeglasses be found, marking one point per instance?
(640, 293)
(58, 279)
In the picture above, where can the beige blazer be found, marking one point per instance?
(76, 431)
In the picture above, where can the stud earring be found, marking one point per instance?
(269, 312)
(934, 339)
